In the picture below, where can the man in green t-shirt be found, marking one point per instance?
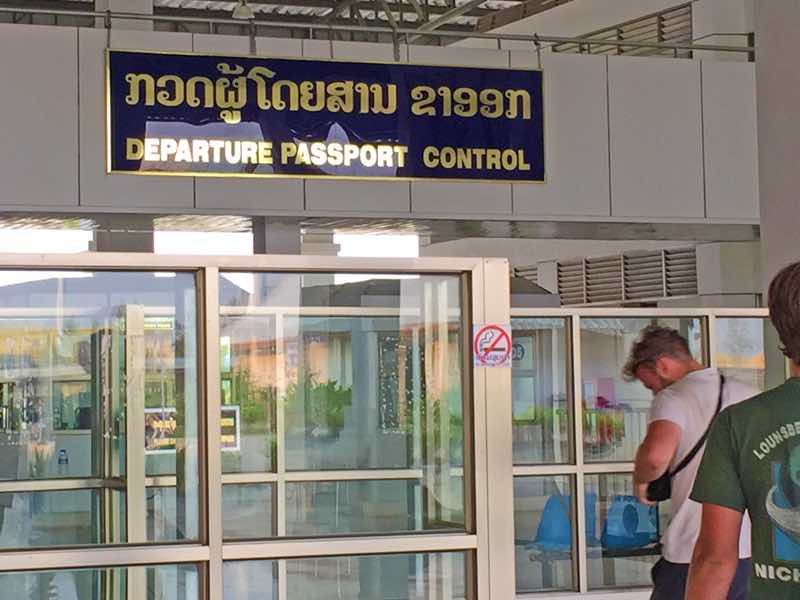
(752, 463)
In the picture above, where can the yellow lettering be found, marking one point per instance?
(447, 157)
(401, 152)
(493, 158)
(265, 153)
(509, 160)
(479, 154)
(303, 155)
(523, 166)
(288, 150)
(464, 158)
(430, 157)
(134, 149)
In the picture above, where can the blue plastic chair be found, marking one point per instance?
(554, 533)
(629, 524)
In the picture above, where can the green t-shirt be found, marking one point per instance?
(752, 462)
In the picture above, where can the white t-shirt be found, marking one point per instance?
(690, 404)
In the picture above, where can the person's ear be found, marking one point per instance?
(662, 367)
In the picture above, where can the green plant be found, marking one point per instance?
(317, 405)
(255, 402)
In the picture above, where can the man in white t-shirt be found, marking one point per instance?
(686, 399)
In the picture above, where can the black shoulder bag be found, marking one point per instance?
(660, 489)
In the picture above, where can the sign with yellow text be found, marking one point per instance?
(161, 427)
(187, 114)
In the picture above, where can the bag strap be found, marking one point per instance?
(688, 458)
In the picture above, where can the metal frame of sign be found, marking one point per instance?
(110, 171)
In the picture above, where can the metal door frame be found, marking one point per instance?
(489, 535)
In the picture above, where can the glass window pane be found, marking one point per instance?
(249, 392)
(396, 577)
(388, 506)
(614, 410)
(99, 383)
(250, 580)
(162, 511)
(57, 518)
(543, 533)
(363, 372)
(748, 349)
(540, 391)
(247, 511)
(622, 534)
(163, 582)
(440, 576)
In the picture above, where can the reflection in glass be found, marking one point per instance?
(362, 374)
(56, 518)
(614, 410)
(162, 512)
(249, 387)
(163, 582)
(543, 533)
(250, 580)
(247, 511)
(87, 360)
(540, 391)
(440, 576)
(399, 577)
(622, 534)
(343, 507)
(748, 349)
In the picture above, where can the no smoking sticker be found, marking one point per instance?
(491, 345)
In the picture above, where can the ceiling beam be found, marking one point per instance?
(418, 9)
(512, 14)
(397, 6)
(388, 12)
(284, 18)
(339, 8)
(446, 17)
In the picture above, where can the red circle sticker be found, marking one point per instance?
(491, 346)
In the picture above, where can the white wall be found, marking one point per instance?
(778, 86)
(624, 139)
(579, 17)
(525, 252)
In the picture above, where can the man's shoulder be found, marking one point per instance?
(690, 387)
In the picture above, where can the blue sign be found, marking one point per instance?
(186, 114)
